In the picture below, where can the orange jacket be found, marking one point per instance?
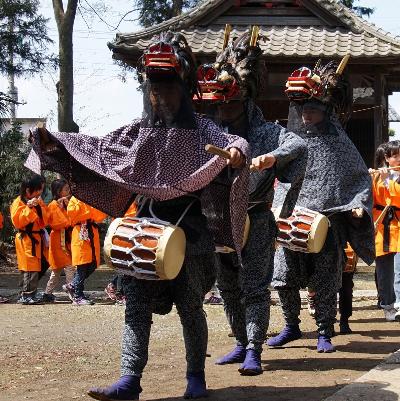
(386, 196)
(29, 247)
(131, 212)
(60, 238)
(81, 249)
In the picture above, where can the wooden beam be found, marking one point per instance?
(378, 114)
(268, 11)
(263, 20)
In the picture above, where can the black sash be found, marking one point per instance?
(389, 216)
(29, 232)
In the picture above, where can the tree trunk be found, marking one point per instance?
(65, 86)
(177, 6)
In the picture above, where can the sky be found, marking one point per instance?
(103, 101)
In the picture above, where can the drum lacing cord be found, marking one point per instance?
(142, 200)
(182, 215)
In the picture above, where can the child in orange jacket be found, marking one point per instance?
(60, 238)
(29, 216)
(85, 247)
(2, 299)
(386, 189)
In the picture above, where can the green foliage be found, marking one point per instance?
(13, 152)
(152, 12)
(361, 11)
(24, 34)
(392, 132)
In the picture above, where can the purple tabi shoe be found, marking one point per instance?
(252, 364)
(288, 334)
(127, 388)
(238, 355)
(325, 345)
(196, 385)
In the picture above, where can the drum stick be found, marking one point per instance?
(381, 217)
(221, 153)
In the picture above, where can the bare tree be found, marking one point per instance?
(65, 87)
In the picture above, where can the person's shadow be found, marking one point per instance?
(364, 391)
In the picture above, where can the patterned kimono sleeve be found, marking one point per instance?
(291, 157)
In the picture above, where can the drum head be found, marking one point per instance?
(112, 228)
(318, 233)
(170, 253)
(277, 212)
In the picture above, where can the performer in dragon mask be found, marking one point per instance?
(162, 158)
(232, 84)
(336, 187)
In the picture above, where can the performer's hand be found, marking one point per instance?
(358, 213)
(62, 203)
(263, 162)
(32, 202)
(384, 172)
(237, 159)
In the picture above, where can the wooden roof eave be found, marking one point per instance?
(177, 23)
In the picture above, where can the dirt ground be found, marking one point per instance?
(56, 352)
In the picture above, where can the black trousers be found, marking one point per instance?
(346, 296)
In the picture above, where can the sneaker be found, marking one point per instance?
(390, 314)
(3, 300)
(311, 303)
(48, 298)
(69, 291)
(213, 300)
(82, 302)
(37, 301)
(120, 300)
(110, 291)
(24, 300)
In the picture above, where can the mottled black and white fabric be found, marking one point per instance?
(321, 272)
(289, 150)
(186, 291)
(336, 181)
(160, 163)
(244, 288)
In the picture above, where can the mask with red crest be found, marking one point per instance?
(169, 56)
(325, 84)
(237, 72)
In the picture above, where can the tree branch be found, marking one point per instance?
(58, 8)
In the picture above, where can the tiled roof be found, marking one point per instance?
(357, 37)
(393, 115)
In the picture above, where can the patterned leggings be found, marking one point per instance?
(146, 297)
(244, 289)
(322, 272)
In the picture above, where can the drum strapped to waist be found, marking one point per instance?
(352, 260)
(303, 231)
(146, 248)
